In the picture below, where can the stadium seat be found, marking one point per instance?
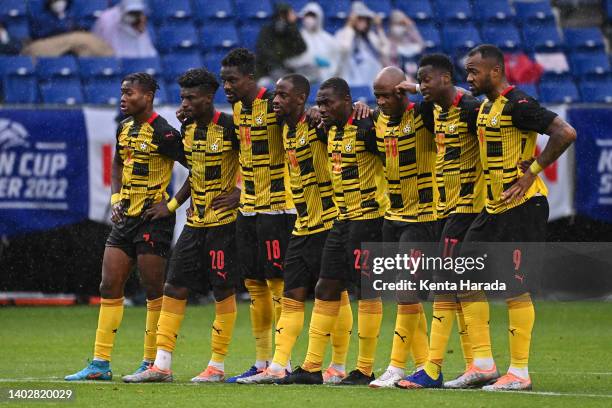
(16, 65)
(492, 10)
(596, 91)
(161, 94)
(150, 65)
(430, 35)
(51, 67)
(297, 5)
(505, 36)
(165, 11)
(338, 9)
(212, 10)
(173, 92)
(63, 91)
(20, 89)
(99, 67)
(87, 11)
(529, 89)
(248, 35)
(541, 37)
(18, 28)
(417, 10)
(12, 9)
(533, 11)
(380, 7)
(590, 64)
(453, 10)
(253, 10)
(219, 98)
(579, 39)
(218, 36)
(312, 98)
(176, 64)
(458, 39)
(609, 9)
(362, 93)
(102, 92)
(212, 61)
(176, 37)
(558, 92)
(333, 24)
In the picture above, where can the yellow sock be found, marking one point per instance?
(420, 342)
(476, 314)
(369, 321)
(322, 323)
(521, 318)
(169, 324)
(341, 336)
(109, 320)
(441, 325)
(406, 324)
(288, 329)
(262, 315)
(464, 338)
(223, 328)
(276, 287)
(153, 311)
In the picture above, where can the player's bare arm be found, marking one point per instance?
(117, 213)
(227, 201)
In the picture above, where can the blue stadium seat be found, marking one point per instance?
(20, 89)
(589, 64)
(52, 67)
(609, 9)
(176, 37)
(176, 64)
(160, 95)
(220, 98)
(165, 11)
(87, 11)
(12, 9)
(99, 67)
(380, 7)
(212, 61)
(248, 35)
(505, 36)
(64, 91)
(333, 24)
(577, 39)
(312, 98)
(558, 92)
(541, 37)
(596, 91)
(212, 10)
(338, 9)
(102, 92)
(430, 35)
(16, 65)
(173, 92)
(18, 28)
(460, 38)
(253, 10)
(453, 10)
(529, 89)
(150, 65)
(218, 36)
(362, 93)
(492, 10)
(417, 10)
(297, 5)
(533, 11)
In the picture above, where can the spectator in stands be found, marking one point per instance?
(277, 43)
(320, 60)
(363, 46)
(56, 32)
(405, 41)
(124, 27)
(8, 45)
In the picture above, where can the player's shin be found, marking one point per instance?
(287, 329)
(476, 313)
(341, 336)
(521, 319)
(262, 316)
(153, 312)
(406, 324)
(322, 323)
(442, 320)
(369, 322)
(168, 326)
(109, 320)
(222, 330)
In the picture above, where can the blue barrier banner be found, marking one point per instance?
(43, 170)
(593, 162)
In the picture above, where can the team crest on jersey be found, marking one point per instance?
(143, 146)
(259, 120)
(494, 120)
(302, 140)
(214, 147)
(348, 147)
(407, 129)
(452, 128)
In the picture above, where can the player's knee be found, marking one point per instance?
(110, 290)
(328, 289)
(298, 294)
(176, 292)
(222, 293)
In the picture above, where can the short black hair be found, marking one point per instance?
(199, 78)
(146, 81)
(438, 61)
(489, 51)
(241, 58)
(338, 85)
(299, 82)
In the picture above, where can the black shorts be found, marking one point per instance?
(514, 261)
(262, 240)
(343, 258)
(204, 257)
(453, 233)
(303, 260)
(136, 236)
(399, 231)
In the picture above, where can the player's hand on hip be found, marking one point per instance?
(117, 213)
(227, 201)
(361, 110)
(518, 189)
(157, 211)
(524, 165)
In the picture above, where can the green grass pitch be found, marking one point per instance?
(571, 361)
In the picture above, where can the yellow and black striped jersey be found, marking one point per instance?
(409, 160)
(148, 152)
(309, 178)
(458, 169)
(357, 171)
(507, 132)
(212, 158)
(262, 156)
